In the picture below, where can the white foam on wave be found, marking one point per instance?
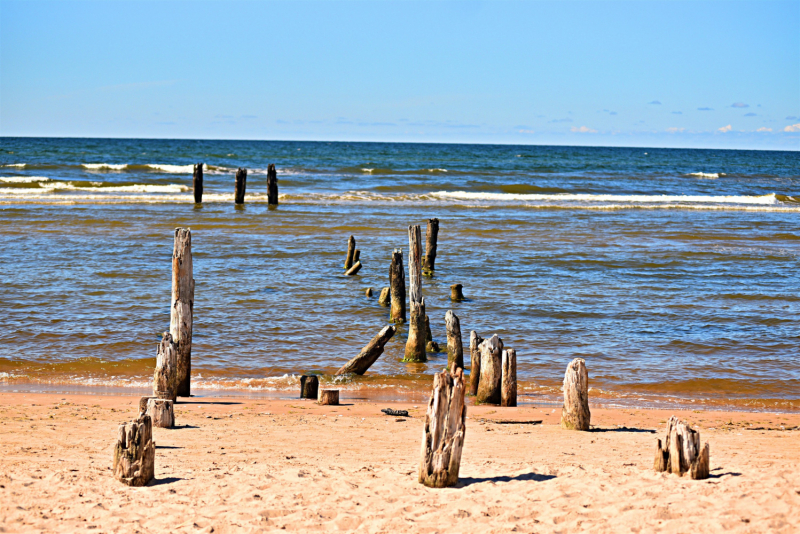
(98, 166)
(23, 179)
(709, 175)
(174, 169)
(18, 165)
(437, 170)
(100, 187)
(368, 170)
(769, 199)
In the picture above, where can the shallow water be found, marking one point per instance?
(672, 272)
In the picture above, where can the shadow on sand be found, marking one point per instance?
(623, 429)
(466, 481)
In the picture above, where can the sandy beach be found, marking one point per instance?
(252, 465)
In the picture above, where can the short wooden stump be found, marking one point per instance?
(328, 396)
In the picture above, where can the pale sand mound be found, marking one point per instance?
(303, 468)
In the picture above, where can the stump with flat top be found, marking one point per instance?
(443, 435)
(431, 240)
(240, 186)
(455, 349)
(456, 293)
(161, 412)
(491, 371)
(508, 383)
(475, 361)
(197, 183)
(135, 452)
(368, 354)
(385, 298)
(682, 454)
(397, 283)
(182, 309)
(272, 185)
(328, 397)
(415, 346)
(351, 252)
(143, 404)
(575, 413)
(165, 378)
(309, 387)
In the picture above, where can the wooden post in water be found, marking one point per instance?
(135, 452)
(475, 361)
(241, 185)
(368, 354)
(197, 182)
(431, 238)
(397, 282)
(165, 378)
(491, 371)
(455, 349)
(272, 185)
(415, 346)
(508, 382)
(443, 436)
(309, 387)
(182, 309)
(682, 453)
(575, 414)
(351, 252)
(455, 292)
(430, 344)
(386, 297)
(161, 412)
(354, 269)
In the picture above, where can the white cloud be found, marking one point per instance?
(586, 129)
(764, 129)
(792, 128)
(675, 129)
(740, 105)
(724, 129)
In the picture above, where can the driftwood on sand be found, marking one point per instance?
(161, 412)
(455, 348)
(182, 309)
(575, 414)
(309, 387)
(135, 452)
(508, 382)
(475, 361)
(443, 435)
(397, 283)
(368, 354)
(491, 371)
(682, 454)
(415, 346)
(165, 378)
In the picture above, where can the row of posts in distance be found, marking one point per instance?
(240, 185)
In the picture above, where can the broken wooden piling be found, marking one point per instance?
(455, 348)
(385, 299)
(272, 185)
(681, 453)
(431, 238)
(430, 344)
(397, 282)
(135, 452)
(161, 412)
(508, 382)
(182, 309)
(575, 414)
(475, 361)
(491, 371)
(455, 292)
(354, 269)
(415, 346)
(329, 397)
(165, 378)
(241, 185)
(351, 252)
(309, 387)
(197, 183)
(443, 435)
(368, 354)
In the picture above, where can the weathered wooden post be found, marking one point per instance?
(161, 412)
(431, 237)
(354, 269)
(197, 183)
(682, 453)
(143, 403)
(165, 378)
(181, 312)
(455, 292)
(368, 292)
(575, 414)
(385, 298)
(491, 371)
(272, 185)
(508, 383)
(356, 256)
(135, 452)
(328, 397)
(351, 252)
(309, 387)
(241, 185)
(415, 346)
(445, 426)
(430, 344)
(397, 282)
(455, 349)
(475, 361)
(368, 354)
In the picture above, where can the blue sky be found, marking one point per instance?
(721, 74)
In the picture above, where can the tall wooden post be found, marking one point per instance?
(443, 436)
(508, 383)
(181, 312)
(491, 371)
(397, 283)
(272, 185)
(351, 253)
(455, 349)
(475, 361)
(197, 182)
(415, 346)
(431, 237)
(575, 413)
(241, 185)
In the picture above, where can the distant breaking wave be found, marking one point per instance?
(23, 179)
(766, 200)
(710, 175)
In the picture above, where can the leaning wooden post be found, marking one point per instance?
(415, 346)
(368, 354)
(180, 323)
(197, 183)
(135, 452)
(431, 237)
(443, 436)
(508, 383)
(354, 269)
(272, 185)
(575, 414)
(682, 453)
(475, 361)
(351, 252)
(241, 185)
(455, 349)
(309, 387)
(491, 371)
(397, 282)
(165, 378)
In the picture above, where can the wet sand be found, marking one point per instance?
(251, 465)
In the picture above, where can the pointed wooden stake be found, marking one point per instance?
(397, 282)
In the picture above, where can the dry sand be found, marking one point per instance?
(253, 465)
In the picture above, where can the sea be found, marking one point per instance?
(674, 273)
